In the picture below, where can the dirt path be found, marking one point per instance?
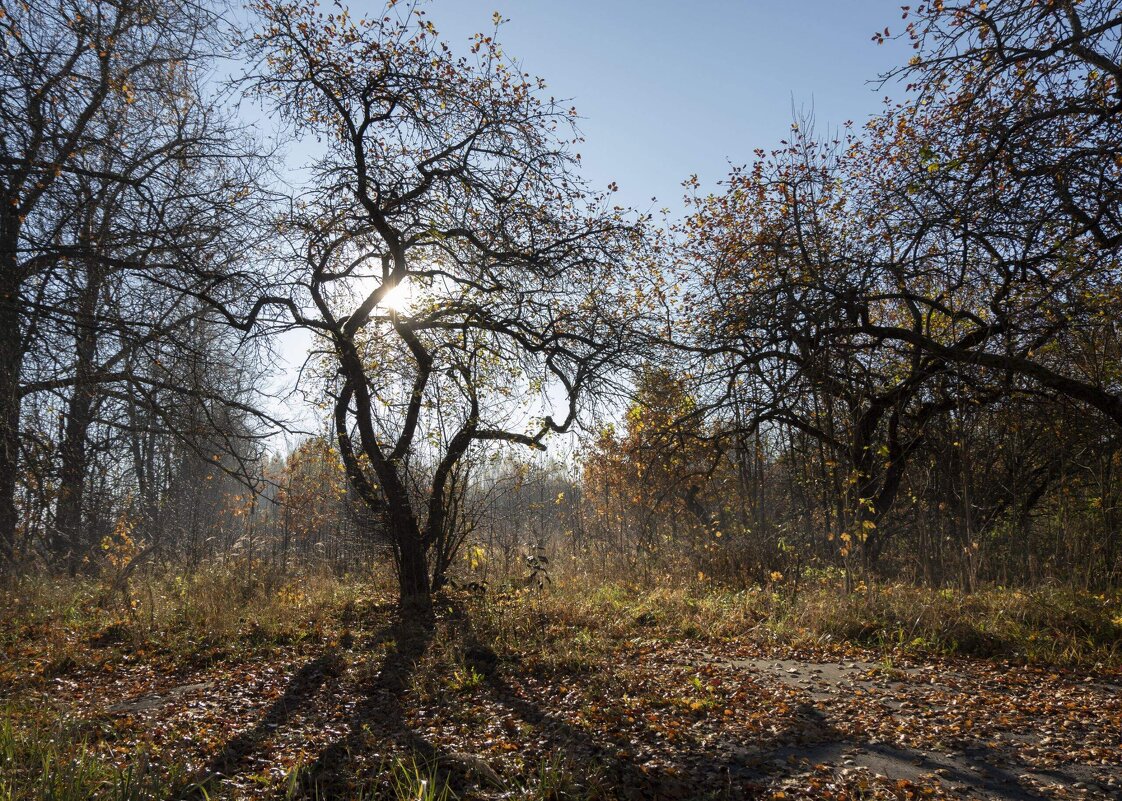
(971, 729)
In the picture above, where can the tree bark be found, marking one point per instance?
(412, 570)
(11, 364)
(79, 416)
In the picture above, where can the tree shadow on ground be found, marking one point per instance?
(595, 760)
(601, 766)
(233, 756)
(380, 713)
(731, 770)
(696, 765)
(817, 742)
(377, 726)
(726, 767)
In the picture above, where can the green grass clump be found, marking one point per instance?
(54, 763)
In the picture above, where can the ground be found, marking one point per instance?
(518, 696)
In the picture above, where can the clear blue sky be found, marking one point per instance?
(667, 89)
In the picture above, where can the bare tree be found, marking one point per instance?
(461, 279)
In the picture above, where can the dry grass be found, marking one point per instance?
(1046, 625)
(61, 629)
(217, 611)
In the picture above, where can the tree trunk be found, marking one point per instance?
(412, 566)
(69, 542)
(11, 363)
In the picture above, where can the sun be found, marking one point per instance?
(398, 298)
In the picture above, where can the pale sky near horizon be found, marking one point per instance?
(669, 89)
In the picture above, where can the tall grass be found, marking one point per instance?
(213, 606)
(224, 605)
(1045, 625)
